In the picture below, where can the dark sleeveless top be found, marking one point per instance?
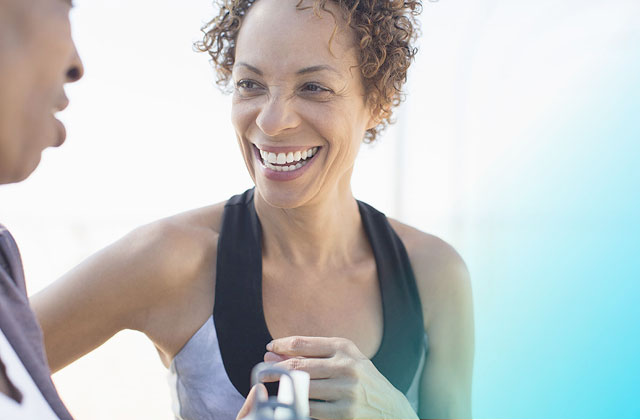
(19, 324)
(238, 312)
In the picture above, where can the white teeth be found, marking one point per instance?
(298, 159)
(285, 168)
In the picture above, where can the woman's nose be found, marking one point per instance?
(277, 115)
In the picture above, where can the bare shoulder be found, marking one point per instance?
(441, 274)
(431, 257)
(152, 267)
(176, 257)
(175, 250)
(179, 240)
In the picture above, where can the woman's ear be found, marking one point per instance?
(373, 122)
(375, 116)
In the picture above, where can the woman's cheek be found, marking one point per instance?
(243, 112)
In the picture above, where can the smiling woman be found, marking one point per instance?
(295, 271)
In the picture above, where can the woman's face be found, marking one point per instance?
(37, 57)
(299, 109)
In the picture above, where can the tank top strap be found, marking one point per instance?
(403, 344)
(240, 326)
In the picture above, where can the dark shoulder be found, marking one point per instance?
(441, 274)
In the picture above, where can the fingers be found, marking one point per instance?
(246, 407)
(273, 357)
(257, 392)
(316, 368)
(263, 394)
(308, 346)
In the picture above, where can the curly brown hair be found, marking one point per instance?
(385, 31)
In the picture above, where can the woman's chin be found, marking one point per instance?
(278, 192)
(281, 196)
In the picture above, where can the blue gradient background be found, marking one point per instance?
(523, 151)
(557, 289)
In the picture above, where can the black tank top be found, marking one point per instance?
(240, 323)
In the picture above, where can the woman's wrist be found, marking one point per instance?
(394, 406)
(402, 408)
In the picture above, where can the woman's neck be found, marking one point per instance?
(326, 233)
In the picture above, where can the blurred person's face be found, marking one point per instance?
(37, 57)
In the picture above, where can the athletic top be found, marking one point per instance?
(20, 327)
(210, 376)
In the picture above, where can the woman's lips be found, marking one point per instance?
(278, 172)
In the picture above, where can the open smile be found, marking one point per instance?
(286, 161)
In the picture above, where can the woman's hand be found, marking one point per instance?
(344, 383)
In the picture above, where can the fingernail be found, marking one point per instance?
(270, 346)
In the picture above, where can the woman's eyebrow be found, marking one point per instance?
(306, 70)
(251, 68)
(314, 69)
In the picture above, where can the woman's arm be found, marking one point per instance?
(445, 291)
(121, 287)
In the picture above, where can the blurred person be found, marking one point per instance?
(37, 58)
(295, 271)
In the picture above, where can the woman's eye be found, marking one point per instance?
(315, 88)
(247, 84)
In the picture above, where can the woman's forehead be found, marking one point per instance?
(277, 34)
